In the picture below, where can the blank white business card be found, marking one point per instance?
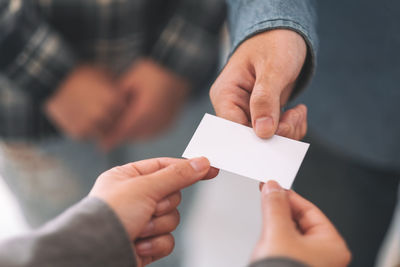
(236, 148)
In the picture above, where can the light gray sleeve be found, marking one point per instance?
(278, 262)
(249, 17)
(88, 234)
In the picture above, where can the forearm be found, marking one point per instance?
(88, 234)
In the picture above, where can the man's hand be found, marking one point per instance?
(155, 96)
(86, 103)
(145, 194)
(294, 228)
(258, 80)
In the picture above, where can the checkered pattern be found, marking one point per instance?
(41, 41)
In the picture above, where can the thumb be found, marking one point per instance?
(177, 176)
(264, 108)
(276, 211)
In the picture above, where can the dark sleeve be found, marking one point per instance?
(33, 55)
(249, 17)
(88, 234)
(278, 262)
(188, 45)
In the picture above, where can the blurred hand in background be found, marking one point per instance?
(258, 80)
(295, 228)
(86, 104)
(145, 196)
(154, 95)
(89, 104)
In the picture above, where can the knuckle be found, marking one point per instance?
(218, 94)
(274, 198)
(260, 97)
(181, 170)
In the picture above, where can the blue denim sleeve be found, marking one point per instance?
(249, 17)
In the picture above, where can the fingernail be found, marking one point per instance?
(147, 229)
(144, 247)
(199, 164)
(264, 125)
(271, 186)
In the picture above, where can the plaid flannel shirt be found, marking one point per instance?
(41, 41)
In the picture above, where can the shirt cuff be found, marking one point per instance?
(188, 50)
(278, 262)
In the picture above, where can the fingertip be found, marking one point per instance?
(260, 186)
(212, 173)
(200, 164)
(270, 187)
(264, 127)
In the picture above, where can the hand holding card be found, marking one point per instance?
(236, 148)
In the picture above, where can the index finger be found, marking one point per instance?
(233, 112)
(310, 219)
(149, 166)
